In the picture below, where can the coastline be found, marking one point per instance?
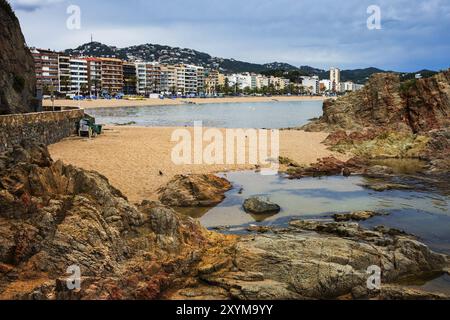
(170, 102)
(131, 157)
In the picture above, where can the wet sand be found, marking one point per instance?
(159, 102)
(131, 157)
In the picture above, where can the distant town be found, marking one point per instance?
(65, 76)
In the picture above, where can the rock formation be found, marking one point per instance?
(17, 74)
(203, 190)
(54, 216)
(385, 103)
(330, 263)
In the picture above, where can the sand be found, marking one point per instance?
(131, 157)
(158, 102)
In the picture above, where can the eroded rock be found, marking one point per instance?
(356, 216)
(332, 263)
(203, 190)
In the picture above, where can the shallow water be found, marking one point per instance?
(421, 212)
(270, 115)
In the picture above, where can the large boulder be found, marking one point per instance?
(261, 205)
(17, 73)
(197, 190)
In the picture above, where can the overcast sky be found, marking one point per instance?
(320, 33)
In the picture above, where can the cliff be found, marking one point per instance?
(386, 103)
(17, 74)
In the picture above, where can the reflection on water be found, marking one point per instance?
(270, 115)
(432, 282)
(423, 213)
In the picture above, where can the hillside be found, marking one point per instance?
(173, 55)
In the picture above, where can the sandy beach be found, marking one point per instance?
(158, 102)
(131, 157)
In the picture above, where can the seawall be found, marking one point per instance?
(42, 127)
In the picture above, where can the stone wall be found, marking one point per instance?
(42, 127)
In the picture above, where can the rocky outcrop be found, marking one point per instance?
(386, 103)
(53, 216)
(261, 205)
(17, 75)
(329, 166)
(203, 190)
(356, 216)
(330, 263)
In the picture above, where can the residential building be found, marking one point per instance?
(278, 83)
(78, 76)
(190, 79)
(111, 75)
(211, 82)
(148, 77)
(47, 69)
(200, 80)
(335, 78)
(326, 85)
(129, 78)
(240, 81)
(311, 84)
(64, 74)
(168, 79)
(221, 79)
(261, 81)
(181, 84)
(94, 67)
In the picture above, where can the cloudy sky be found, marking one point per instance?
(321, 33)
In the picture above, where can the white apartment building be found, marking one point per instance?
(311, 84)
(78, 75)
(148, 77)
(326, 84)
(241, 81)
(335, 78)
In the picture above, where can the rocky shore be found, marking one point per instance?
(392, 119)
(54, 216)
